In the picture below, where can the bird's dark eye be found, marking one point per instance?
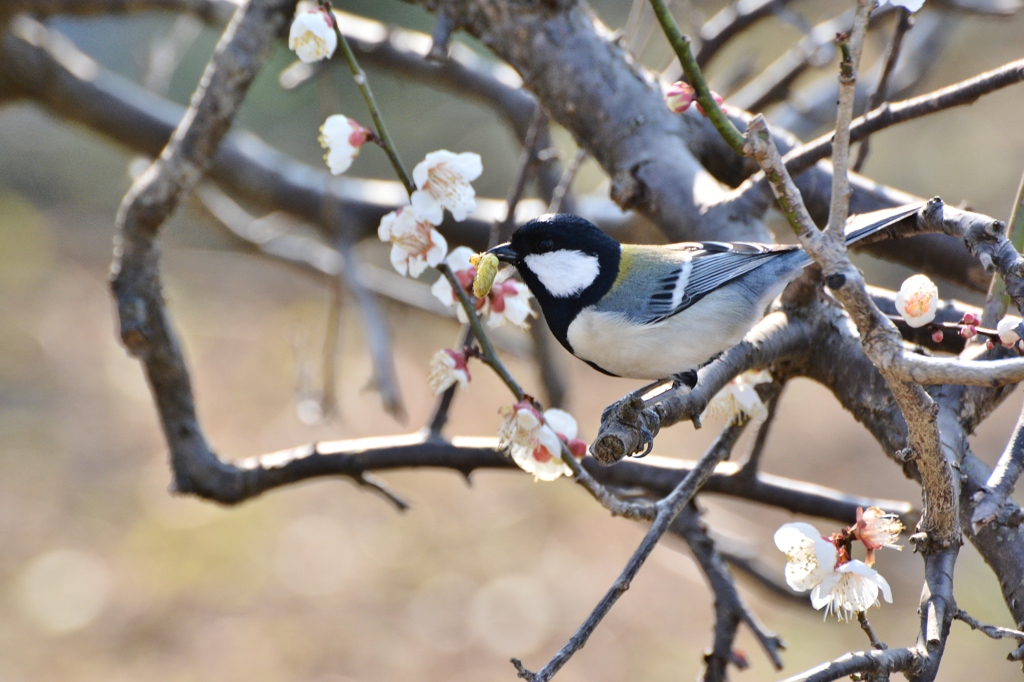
(545, 245)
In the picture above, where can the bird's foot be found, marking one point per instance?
(627, 428)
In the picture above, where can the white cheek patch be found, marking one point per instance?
(564, 272)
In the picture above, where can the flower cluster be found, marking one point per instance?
(822, 564)
(507, 300)
(534, 440)
(739, 397)
(680, 95)
(443, 180)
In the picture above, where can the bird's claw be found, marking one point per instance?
(627, 428)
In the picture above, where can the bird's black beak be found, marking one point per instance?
(505, 253)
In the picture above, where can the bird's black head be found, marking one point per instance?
(567, 262)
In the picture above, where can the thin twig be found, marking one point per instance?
(993, 631)
(681, 45)
(668, 509)
(378, 335)
(501, 232)
(892, 54)
(364, 88)
(870, 632)
(1002, 481)
(750, 467)
(332, 349)
(997, 300)
(730, 608)
(561, 193)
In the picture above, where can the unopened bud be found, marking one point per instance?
(937, 336)
(715, 96)
(679, 97)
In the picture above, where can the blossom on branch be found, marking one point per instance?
(917, 300)
(850, 589)
(342, 138)
(739, 397)
(535, 441)
(312, 35)
(876, 530)
(415, 243)
(810, 557)
(442, 182)
(508, 299)
(447, 368)
(840, 585)
(1007, 330)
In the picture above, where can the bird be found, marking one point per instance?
(655, 312)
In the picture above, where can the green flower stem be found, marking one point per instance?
(681, 45)
(359, 76)
(490, 356)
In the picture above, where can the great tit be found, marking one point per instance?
(655, 312)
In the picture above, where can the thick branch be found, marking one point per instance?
(145, 326)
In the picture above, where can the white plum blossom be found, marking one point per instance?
(535, 441)
(442, 182)
(810, 556)
(739, 397)
(910, 5)
(1007, 330)
(851, 589)
(447, 368)
(917, 300)
(342, 138)
(312, 35)
(876, 530)
(507, 301)
(415, 243)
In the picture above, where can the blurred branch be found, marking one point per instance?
(41, 64)
(730, 608)
(378, 336)
(730, 22)
(668, 509)
(145, 326)
(892, 54)
(890, 114)
(213, 11)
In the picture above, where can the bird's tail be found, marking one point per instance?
(865, 224)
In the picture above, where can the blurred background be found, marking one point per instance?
(106, 576)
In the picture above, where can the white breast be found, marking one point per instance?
(661, 350)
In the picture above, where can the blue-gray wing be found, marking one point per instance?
(705, 267)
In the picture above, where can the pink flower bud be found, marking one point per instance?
(970, 319)
(715, 96)
(577, 447)
(968, 332)
(937, 336)
(990, 344)
(679, 97)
